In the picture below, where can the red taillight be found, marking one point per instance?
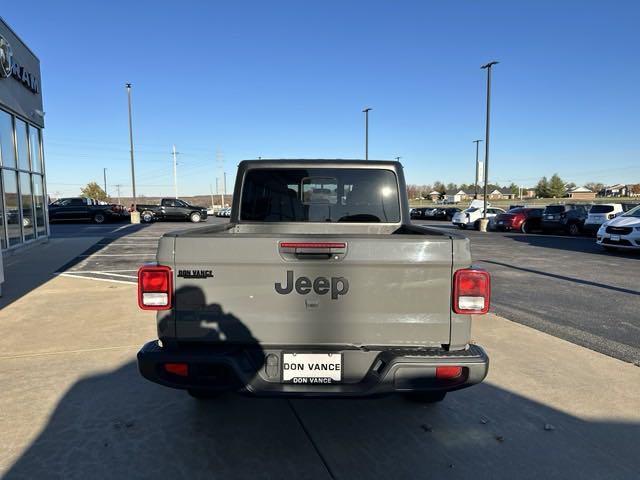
(471, 291)
(448, 373)
(181, 369)
(155, 287)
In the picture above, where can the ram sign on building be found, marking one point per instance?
(23, 217)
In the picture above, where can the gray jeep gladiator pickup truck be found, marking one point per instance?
(319, 285)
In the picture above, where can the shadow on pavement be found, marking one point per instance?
(28, 269)
(573, 244)
(563, 277)
(117, 425)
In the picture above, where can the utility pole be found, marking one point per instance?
(175, 172)
(398, 159)
(104, 174)
(133, 170)
(366, 132)
(211, 193)
(220, 162)
(118, 190)
(475, 195)
(488, 68)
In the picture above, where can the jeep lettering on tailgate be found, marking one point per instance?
(321, 285)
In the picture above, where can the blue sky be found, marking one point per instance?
(289, 79)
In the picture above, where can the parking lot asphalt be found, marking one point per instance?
(565, 286)
(119, 250)
(561, 285)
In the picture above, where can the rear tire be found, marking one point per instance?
(99, 218)
(195, 217)
(462, 226)
(425, 397)
(146, 216)
(573, 229)
(524, 228)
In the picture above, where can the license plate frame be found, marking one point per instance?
(310, 374)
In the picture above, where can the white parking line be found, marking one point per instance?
(70, 275)
(128, 244)
(113, 274)
(118, 255)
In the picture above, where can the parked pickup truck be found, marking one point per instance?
(80, 208)
(319, 285)
(172, 209)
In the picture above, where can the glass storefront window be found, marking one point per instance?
(12, 207)
(3, 240)
(34, 147)
(6, 140)
(21, 140)
(38, 203)
(28, 223)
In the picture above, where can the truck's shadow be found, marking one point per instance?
(117, 425)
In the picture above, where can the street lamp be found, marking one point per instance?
(475, 195)
(488, 68)
(133, 170)
(366, 132)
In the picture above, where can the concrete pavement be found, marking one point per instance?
(74, 406)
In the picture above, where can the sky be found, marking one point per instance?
(279, 79)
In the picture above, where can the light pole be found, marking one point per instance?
(488, 68)
(175, 172)
(133, 170)
(475, 195)
(366, 132)
(104, 173)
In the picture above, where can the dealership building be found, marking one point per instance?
(22, 180)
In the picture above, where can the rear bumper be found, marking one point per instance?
(553, 226)
(591, 228)
(251, 370)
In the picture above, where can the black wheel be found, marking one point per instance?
(195, 217)
(524, 228)
(425, 397)
(99, 218)
(202, 394)
(476, 225)
(147, 217)
(573, 229)
(462, 226)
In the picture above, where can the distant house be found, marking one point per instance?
(456, 196)
(528, 193)
(617, 190)
(502, 194)
(434, 195)
(581, 193)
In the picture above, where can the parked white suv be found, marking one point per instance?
(621, 232)
(472, 215)
(600, 213)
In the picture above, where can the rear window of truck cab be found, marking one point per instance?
(601, 209)
(355, 195)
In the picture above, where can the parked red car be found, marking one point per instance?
(522, 219)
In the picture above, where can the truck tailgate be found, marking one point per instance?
(377, 290)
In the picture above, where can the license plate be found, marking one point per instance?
(500, 222)
(615, 238)
(549, 217)
(311, 368)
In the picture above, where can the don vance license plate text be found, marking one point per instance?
(311, 368)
